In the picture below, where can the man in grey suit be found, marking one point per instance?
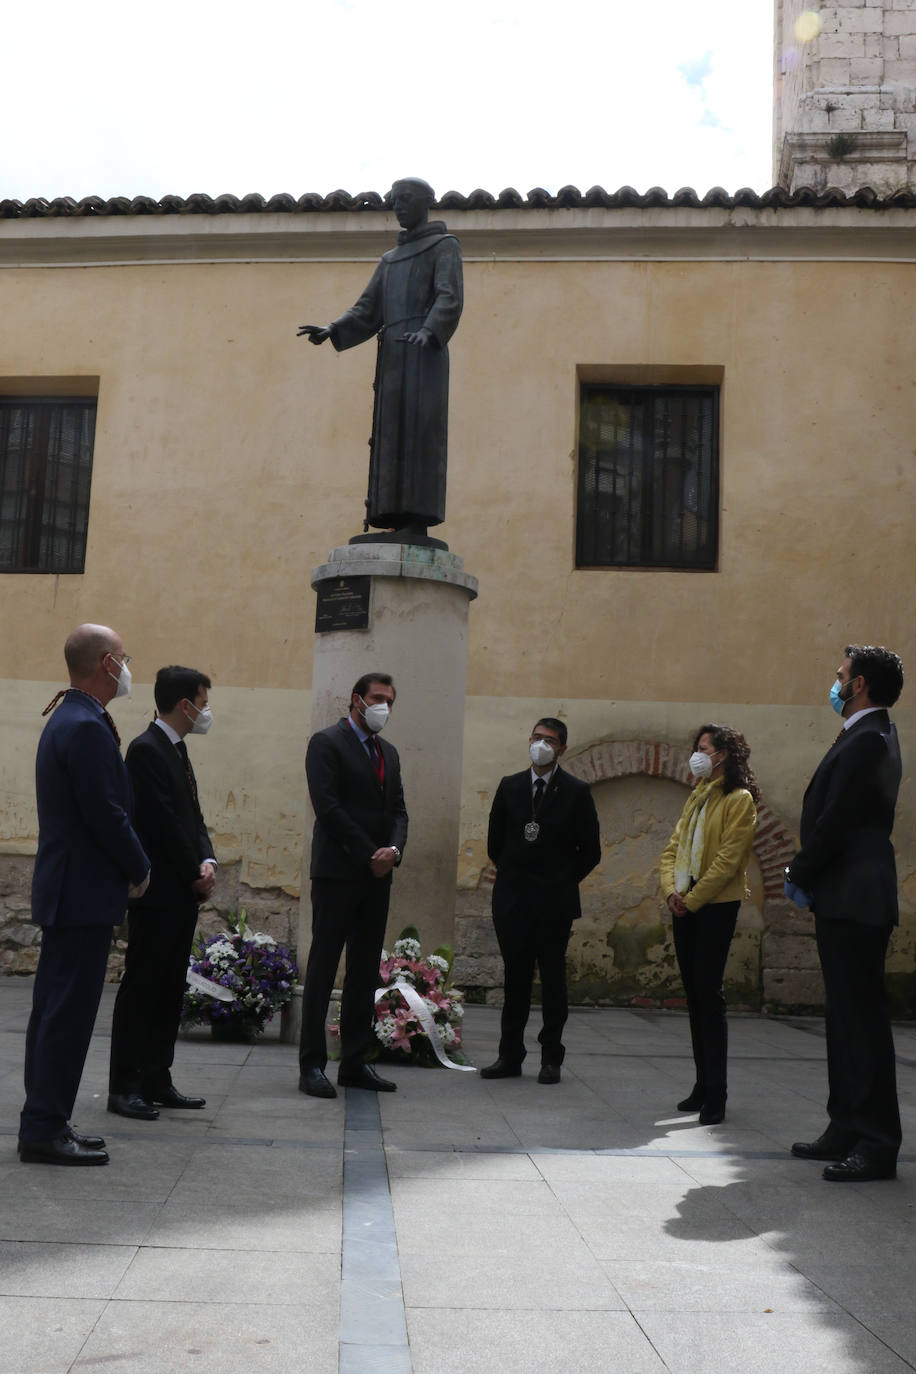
(89, 861)
(845, 871)
(354, 781)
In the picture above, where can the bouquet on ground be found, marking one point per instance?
(238, 981)
(423, 1009)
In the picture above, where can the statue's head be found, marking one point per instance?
(410, 200)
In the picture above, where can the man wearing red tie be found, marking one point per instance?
(354, 781)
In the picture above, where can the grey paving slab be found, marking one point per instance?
(66, 1270)
(271, 1277)
(44, 1335)
(595, 1171)
(93, 1220)
(236, 1338)
(484, 1233)
(764, 1343)
(271, 1224)
(478, 1341)
(450, 1163)
(419, 1197)
(216, 1171)
(725, 1285)
(551, 1281)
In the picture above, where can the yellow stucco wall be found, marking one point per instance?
(230, 457)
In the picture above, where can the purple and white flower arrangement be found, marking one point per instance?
(237, 981)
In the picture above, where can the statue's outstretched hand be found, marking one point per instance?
(317, 333)
(422, 336)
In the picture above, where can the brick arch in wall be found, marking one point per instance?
(773, 844)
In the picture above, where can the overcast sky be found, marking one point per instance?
(112, 98)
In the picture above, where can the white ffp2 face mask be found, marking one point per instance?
(376, 715)
(541, 753)
(700, 765)
(123, 682)
(204, 720)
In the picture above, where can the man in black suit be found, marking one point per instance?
(354, 781)
(543, 838)
(161, 923)
(89, 860)
(845, 871)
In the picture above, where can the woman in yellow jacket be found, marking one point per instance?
(704, 878)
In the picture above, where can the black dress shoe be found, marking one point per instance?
(694, 1101)
(132, 1105)
(171, 1097)
(826, 1146)
(364, 1076)
(550, 1073)
(63, 1150)
(502, 1069)
(859, 1167)
(91, 1142)
(712, 1113)
(314, 1082)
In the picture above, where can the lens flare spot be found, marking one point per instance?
(807, 26)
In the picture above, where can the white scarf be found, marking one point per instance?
(689, 857)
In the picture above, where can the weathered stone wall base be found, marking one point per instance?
(270, 910)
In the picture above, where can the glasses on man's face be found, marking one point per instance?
(548, 739)
(124, 659)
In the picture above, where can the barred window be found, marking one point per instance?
(648, 477)
(45, 474)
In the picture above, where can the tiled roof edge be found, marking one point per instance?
(567, 198)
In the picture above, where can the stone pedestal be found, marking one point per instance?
(417, 632)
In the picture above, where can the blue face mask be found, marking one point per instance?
(837, 701)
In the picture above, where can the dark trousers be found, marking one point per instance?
(861, 1066)
(526, 941)
(701, 942)
(352, 916)
(147, 1010)
(65, 1000)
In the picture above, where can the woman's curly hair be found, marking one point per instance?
(738, 771)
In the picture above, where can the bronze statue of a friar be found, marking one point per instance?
(413, 305)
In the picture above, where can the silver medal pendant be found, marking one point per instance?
(532, 830)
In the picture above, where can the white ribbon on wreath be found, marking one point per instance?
(208, 987)
(425, 1017)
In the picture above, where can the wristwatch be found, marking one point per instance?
(396, 852)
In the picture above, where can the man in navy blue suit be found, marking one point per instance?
(846, 872)
(89, 862)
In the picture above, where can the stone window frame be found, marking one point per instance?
(666, 383)
(45, 491)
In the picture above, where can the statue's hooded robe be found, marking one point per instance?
(416, 285)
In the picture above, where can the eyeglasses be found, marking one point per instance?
(124, 659)
(548, 739)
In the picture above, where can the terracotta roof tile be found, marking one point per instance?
(568, 197)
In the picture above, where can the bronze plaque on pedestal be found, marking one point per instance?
(343, 604)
